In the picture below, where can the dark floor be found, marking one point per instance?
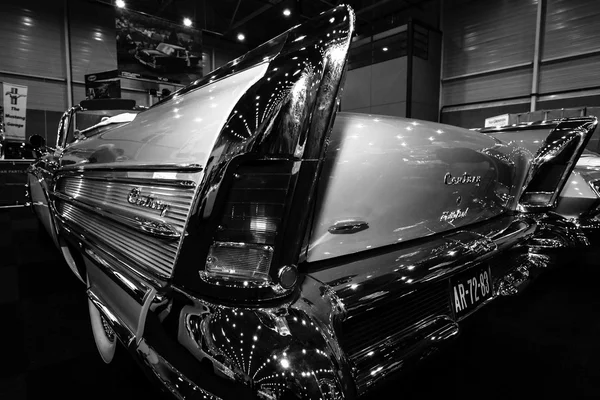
(544, 343)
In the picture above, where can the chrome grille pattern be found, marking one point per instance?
(362, 334)
(151, 253)
(114, 195)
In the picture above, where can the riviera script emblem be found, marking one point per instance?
(135, 197)
(461, 180)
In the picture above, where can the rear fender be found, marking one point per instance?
(555, 156)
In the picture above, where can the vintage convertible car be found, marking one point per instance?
(167, 58)
(240, 244)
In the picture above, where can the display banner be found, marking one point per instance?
(150, 46)
(15, 107)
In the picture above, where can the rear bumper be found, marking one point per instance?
(197, 348)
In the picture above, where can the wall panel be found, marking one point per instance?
(93, 40)
(357, 89)
(572, 27)
(395, 109)
(483, 35)
(570, 74)
(503, 85)
(32, 38)
(388, 82)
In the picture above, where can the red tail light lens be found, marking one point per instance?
(245, 238)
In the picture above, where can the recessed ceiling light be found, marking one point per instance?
(385, 49)
(120, 3)
(241, 37)
(187, 22)
(287, 12)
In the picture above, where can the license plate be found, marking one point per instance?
(470, 289)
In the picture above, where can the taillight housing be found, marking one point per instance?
(249, 221)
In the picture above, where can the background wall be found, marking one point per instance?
(395, 72)
(33, 49)
(490, 62)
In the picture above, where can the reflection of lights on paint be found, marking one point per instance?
(353, 286)
(187, 22)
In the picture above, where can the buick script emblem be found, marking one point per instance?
(461, 180)
(135, 197)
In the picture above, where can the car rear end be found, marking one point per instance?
(298, 258)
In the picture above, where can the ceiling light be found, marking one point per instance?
(287, 12)
(187, 22)
(120, 3)
(241, 37)
(385, 49)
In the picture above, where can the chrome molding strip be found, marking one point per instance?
(132, 180)
(144, 253)
(146, 226)
(105, 260)
(134, 287)
(123, 332)
(137, 167)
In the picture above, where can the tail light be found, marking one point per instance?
(245, 237)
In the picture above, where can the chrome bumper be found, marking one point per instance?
(198, 349)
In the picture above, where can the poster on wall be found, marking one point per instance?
(14, 111)
(152, 46)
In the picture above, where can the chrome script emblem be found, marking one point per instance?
(461, 180)
(449, 216)
(135, 197)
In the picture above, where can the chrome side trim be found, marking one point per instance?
(135, 288)
(109, 259)
(97, 203)
(139, 181)
(155, 228)
(125, 335)
(132, 167)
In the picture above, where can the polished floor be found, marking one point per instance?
(544, 343)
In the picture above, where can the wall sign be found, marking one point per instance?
(15, 108)
(500, 120)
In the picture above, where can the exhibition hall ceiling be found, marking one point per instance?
(260, 20)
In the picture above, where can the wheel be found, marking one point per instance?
(104, 336)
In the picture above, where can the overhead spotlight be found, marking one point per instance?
(287, 12)
(241, 37)
(187, 22)
(120, 3)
